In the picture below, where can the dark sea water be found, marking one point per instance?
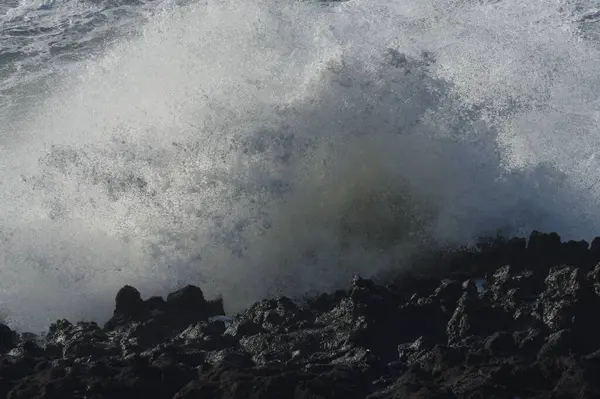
(259, 148)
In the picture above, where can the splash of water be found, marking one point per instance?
(271, 147)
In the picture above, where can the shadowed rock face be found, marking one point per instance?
(532, 331)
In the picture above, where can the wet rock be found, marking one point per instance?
(128, 307)
(187, 299)
(579, 381)
(274, 382)
(508, 286)
(500, 343)
(565, 281)
(569, 302)
(200, 330)
(594, 279)
(529, 341)
(516, 291)
(128, 302)
(473, 316)
(230, 358)
(449, 292)
(410, 351)
(279, 313)
(325, 302)
(498, 251)
(560, 343)
(415, 320)
(8, 338)
(439, 359)
(155, 305)
(469, 286)
(83, 339)
(593, 257)
(544, 247)
(244, 328)
(416, 384)
(531, 331)
(574, 253)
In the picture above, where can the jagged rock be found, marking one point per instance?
(525, 284)
(531, 331)
(500, 343)
(569, 302)
(380, 321)
(128, 307)
(594, 278)
(593, 256)
(155, 304)
(8, 338)
(496, 252)
(515, 291)
(565, 281)
(415, 320)
(325, 302)
(449, 292)
(275, 382)
(182, 308)
(574, 253)
(414, 384)
(76, 341)
(560, 343)
(579, 381)
(278, 313)
(544, 246)
(243, 328)
(199, 330)
(128, 302)
(187, 299)
(529, 341)
(230, 358)
(473, 316)
(410, 351)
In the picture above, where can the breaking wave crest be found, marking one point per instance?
(268, 147)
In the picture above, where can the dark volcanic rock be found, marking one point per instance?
(278, 314)
(187, 299)
(593, 256)
(569, 302)
(8, 338)
(128, 302)
(474, 316)
(128, 307)
(546, 247)
(501, 343)
(531, 331)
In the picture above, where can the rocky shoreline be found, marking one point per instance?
(517, 319)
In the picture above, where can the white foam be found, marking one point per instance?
(260, 148)
(227, 320)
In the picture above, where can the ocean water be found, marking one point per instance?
(263, 147)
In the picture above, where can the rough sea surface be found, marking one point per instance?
(265, 147)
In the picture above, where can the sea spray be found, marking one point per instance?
(264, 148)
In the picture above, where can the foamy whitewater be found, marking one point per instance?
(258, 148)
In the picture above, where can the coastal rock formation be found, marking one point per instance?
(512, 320)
